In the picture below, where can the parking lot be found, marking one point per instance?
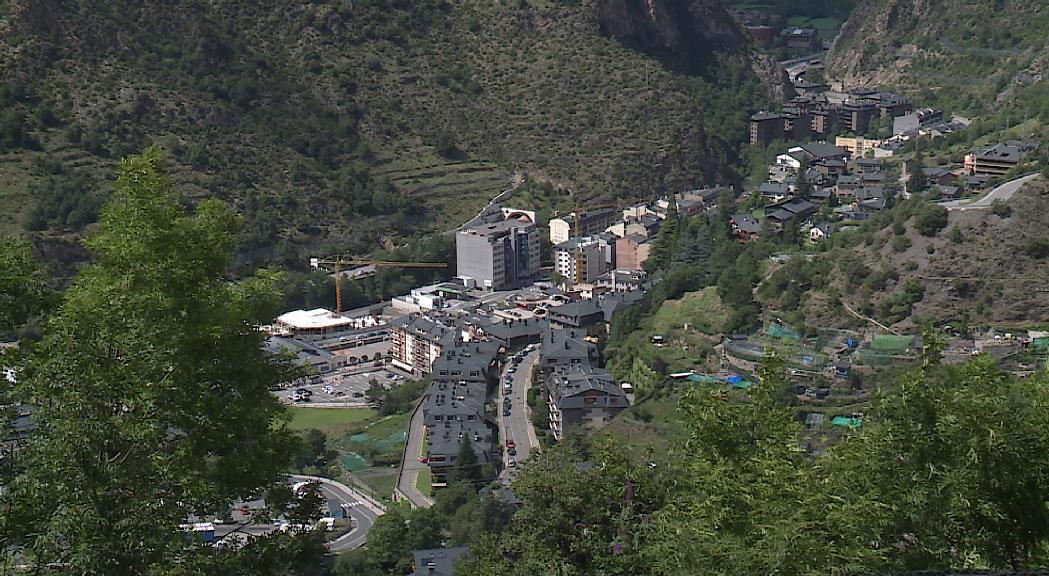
(345, 386)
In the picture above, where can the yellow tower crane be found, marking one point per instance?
(337, 262)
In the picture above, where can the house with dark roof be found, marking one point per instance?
(993, 161)
(584, 396)
(744, 227)
(872, 205)
(566, 347)
(947, 192)
(453, 405)
(823, 151)
(869, 165)
(437, 561)
(937, 175)
(575, 314)
(869, 193)
(774, 191)
(766, 127)
(821, 194)
(794, 209)
(848, 184)
(975, 182)
(511, 333)
(445, 439)
(821, 232)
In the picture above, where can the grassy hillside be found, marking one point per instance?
(969, 56)
(351, 125)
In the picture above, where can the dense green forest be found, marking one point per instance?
(352, 127)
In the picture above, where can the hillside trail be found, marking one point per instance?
(867, 318)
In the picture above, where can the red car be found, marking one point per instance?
(245, 510)
(424, 460)
(511, 444)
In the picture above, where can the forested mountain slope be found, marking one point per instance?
(333, 123)
(972, 56)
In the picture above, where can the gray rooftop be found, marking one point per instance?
(569, 385)
(442, 559)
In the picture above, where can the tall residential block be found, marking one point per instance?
(500, 256)
(580, 259)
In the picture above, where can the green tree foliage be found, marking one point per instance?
(24, 287)
(391, 540)
(930, 219)
(802, 186)
(151, 397)
(942, 475)
(401, 399)
(1037, 248)
(376, 393)
(662, 253)
(916, 177)
(466, 467)
(575, 520)
(1001, 209)
(64, 199)
(927, 459)
(312, 450)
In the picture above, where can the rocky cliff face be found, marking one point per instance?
(686, 36)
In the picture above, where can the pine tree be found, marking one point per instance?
(916, 179)
(666, 240)
(802, 186)
(466, 468)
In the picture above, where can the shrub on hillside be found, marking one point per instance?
(930, 219)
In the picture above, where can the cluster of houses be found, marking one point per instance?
(851, 188)
(591, 248)
(850, 116)
(461, 349)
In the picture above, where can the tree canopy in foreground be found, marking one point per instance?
(150, 394)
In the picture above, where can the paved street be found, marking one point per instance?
(361, 510)
(410, 464)
(518, 427)
(1001, 192)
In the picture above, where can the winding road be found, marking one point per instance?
(1001, 192)
(361, 509)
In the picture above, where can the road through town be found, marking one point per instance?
(361, 509)
(518, 426)
(408, 474)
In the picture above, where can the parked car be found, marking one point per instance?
(512, 463)
(512, 451)
(506, 411)
(358, 394)
(510, 443)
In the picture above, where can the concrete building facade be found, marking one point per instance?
(580, 259)
(499, 256)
